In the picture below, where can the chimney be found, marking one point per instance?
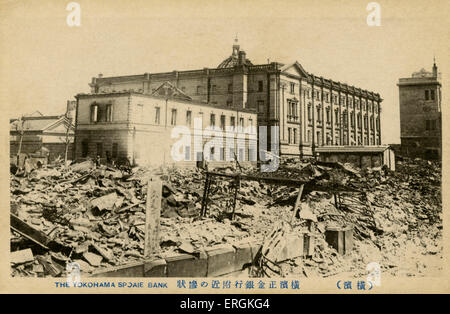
(100, 75)
(241, 58)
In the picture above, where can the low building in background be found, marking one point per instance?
(420, 115)
(36, 133)
(359, 156)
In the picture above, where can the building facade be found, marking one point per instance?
(307, 110)
(163, 127)
(420, 114)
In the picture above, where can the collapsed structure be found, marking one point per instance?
(340, 220)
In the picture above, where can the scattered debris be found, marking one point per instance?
(95, 215)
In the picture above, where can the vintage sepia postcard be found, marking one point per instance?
(200, 147)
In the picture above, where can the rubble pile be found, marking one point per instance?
(396, 220)
(97, 215)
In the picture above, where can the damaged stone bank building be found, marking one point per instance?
(132, 116)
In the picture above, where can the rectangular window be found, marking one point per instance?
(230, 88)
(212, 120)
(157, 115)
(328, 115)
(99, 149)
(222, 122)
(229, 103)
(241, 124)
(232, 157)
(251, 154)
(101, 113)
(173, 120)
(241, 154)
(188, 118)
(222, 153)
(94, 110)
(427, 94)
(292, 88)
(250, 122)
(260, 86)
(336, 117)
(319, 118)
(432, 94)
(294, 133)
(232, 123)
(199, 90)
(109, 112)
(115, 150)
(309, 136)
(289, 135)
(140, 113)
(318, 138)
(309, 113)
(187, 153)
(84, 148)
(261, 106)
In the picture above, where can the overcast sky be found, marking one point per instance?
(45, 62)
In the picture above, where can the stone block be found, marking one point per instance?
(221, 260)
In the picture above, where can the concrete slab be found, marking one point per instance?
(185, 265)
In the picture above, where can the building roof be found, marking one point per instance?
(192, 102)
(167, 89)
(233, 60)
(352, 149)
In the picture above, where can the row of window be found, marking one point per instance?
(212, 119)
(220, 155)
(114, 153)
(343, 100)
(344, 118)
(214, 88)
(361, 140)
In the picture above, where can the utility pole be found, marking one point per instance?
(19, 128)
